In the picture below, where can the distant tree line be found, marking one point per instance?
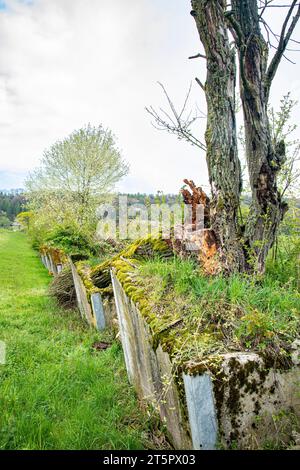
(147, 199)
(10, 206)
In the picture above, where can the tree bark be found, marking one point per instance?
(263, 160)
(241, 248)
(221, 139)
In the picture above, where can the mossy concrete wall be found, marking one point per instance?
(225, 401)
(98, 310)
(49, 263)
(149, 370)
(253, 399)
(82, 298)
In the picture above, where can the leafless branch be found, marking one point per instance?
(175, 122)
(197, 56)
(285, 36)
(200, 83)
(268, 5)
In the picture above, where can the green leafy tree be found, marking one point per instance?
(24, 219)
(75, 175)
(11, 204)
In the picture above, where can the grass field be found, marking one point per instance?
(56, 392)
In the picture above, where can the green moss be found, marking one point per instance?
(191, 316)
(97, 279)
(196, 330)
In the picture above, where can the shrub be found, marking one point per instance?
(73, 242)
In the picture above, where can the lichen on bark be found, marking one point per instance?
(221, 138)
(242, 247)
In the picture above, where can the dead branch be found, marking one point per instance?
(200, 84)
(197, 56)
(177, 122)
(285, 36)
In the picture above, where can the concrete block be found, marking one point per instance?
(59, 268)
(98, 310)
(82, 299)
(202, 412)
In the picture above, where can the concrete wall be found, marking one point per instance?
(99, 311)
(227, 402)
(150, 371)
(50, 264)
(82, 298)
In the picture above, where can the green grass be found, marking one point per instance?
(219, 314)
(268, 294)
(56, 392)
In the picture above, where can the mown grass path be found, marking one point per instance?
(56, 392)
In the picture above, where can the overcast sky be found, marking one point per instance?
(64, 63)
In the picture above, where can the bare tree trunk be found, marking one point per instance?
(264, 161)
(221, 139)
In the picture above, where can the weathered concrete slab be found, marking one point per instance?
(53, 269)
(47, 263)
(59, 268)
(82, 300)
(149, 370)
(98, 310)
(123, 309)
(44, 261)
(172, 409)
(250, 394)
(202, 412)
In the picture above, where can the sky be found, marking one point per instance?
(66, 63)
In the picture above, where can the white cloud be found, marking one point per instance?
(64, 63)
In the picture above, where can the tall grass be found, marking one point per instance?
(261, 306)
(56, 391)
